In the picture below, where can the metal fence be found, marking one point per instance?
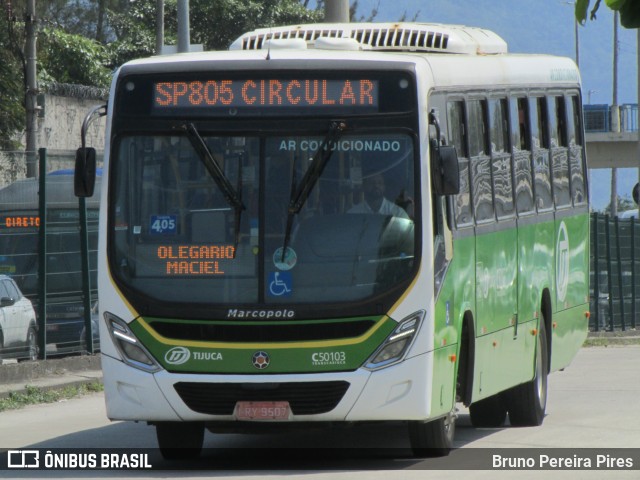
(615, 273)
(629, 117)
(41, 250)
(597, 118)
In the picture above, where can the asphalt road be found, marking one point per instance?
(593, 409)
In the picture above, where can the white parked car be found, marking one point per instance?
(18, 327)
(629, 214)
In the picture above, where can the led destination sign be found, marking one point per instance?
(194, 259)
(21, 221)
(27, 220)
(266, 93)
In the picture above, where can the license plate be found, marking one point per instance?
(264, 411)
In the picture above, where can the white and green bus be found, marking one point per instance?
(341, 223)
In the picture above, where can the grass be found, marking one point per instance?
(35, 395)
(611, 341)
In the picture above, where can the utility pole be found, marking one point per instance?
(575, 22)
(31, 93)
(100, 26)
(336, 11)
(615, 114)
(159, 26)
(575, 32)
(184, 40)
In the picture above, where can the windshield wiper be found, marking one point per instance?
(320, 159)
(231, 195)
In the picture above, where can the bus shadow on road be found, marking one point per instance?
(362, 446)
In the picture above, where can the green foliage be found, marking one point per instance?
(34, 395)
(216, 24)
(12, 111)
(135, 29)
(213, 23)
(629, 11)
(68, 53)
(69, 58)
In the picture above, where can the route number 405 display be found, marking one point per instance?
(163, 224)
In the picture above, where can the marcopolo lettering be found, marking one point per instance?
(266, 314)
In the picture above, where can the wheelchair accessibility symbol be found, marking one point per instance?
(280, 284)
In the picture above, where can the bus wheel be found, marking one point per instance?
(488, 413)
(433, 438)
(180, 440)
(527, 402)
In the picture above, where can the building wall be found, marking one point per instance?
(59, 123)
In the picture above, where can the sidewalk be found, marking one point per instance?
(49, 374)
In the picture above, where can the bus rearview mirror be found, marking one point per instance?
(445, 172)
(84, 180)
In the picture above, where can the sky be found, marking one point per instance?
(541, 26)
(544, 26)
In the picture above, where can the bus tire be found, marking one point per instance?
(527, 403)
(180, 440)
(433, 438)
(490, 412)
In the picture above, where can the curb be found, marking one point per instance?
(12, 372)
(616, 338)
(49, 374)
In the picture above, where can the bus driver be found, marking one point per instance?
(374, 199)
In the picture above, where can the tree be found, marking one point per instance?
(623, 204)
(68, 58)
(214, 23)
(12, 98)
(82, 41)
(629, 11)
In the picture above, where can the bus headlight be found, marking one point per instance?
(131, 351)
(397, 344)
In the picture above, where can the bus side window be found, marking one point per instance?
(576, 164)
(559, 151)
(541, 143)
(521, 142)
(480, 161)
(458, 138)
(501, 158)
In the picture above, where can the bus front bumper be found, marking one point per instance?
(399, 392)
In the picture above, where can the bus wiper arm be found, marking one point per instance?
(199, 145)
(320, 159)
(313, 173)
(232, 196)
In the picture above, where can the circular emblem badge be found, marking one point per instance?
(287, 261)
(177, 356)
(261, 360)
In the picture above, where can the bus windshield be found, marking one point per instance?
(351, 238)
